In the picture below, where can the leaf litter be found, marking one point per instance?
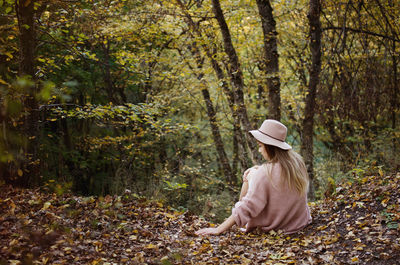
(358, 224)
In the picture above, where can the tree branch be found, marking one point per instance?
(362, 32)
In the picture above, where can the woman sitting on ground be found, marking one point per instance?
(274, 195)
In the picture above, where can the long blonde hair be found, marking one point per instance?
(294, 172)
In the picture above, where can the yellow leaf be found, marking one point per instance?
(67, 249)
(12, 208)
(46, 205)
(45, 260)
(170, 215)
(150, 246)
(354, 259)
(3, 82)
(20, 172)
(384, 202)
(331, 240)
(13, 242)
(9, 55)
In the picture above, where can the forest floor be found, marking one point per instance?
(358, 224)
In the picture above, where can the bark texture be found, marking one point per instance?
(27, 47)
(270, 64)
(27, 37)
(308, 122)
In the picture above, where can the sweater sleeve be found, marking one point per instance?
(254, 201)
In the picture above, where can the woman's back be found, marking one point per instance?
(271, 204)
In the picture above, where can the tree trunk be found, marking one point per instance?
(27, 46)
(270, 63)
(308, 122)
(394, 101)
(108, 82)
(235, 154)
(212, 117)
(238, 133)
(27, 37)
(217, 137)
(236, 77)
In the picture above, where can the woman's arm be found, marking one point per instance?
(246, 178)
(228, 223)
(243, 192)
(255, 200)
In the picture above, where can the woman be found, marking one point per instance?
(274, 195)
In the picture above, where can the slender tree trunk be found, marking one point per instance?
(235, 155)
(217, 137)
(238, 133)
(109, 85)
(236, 77)
(271, 56)
(27, 37)
(27, 46)
(394, 101)
(241, 154)
(330, 120)
(308, 122)
(212, 117)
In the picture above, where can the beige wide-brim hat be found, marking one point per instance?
(272, 132)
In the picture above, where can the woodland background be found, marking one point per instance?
(157, 96)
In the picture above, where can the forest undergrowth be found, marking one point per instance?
(359, 223)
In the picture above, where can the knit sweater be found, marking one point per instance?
(271, 205)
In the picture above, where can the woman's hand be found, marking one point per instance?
(228, 223)
(208, 231)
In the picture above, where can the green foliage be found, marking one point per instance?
(58, 188)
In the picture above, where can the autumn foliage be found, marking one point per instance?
(358, 224)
